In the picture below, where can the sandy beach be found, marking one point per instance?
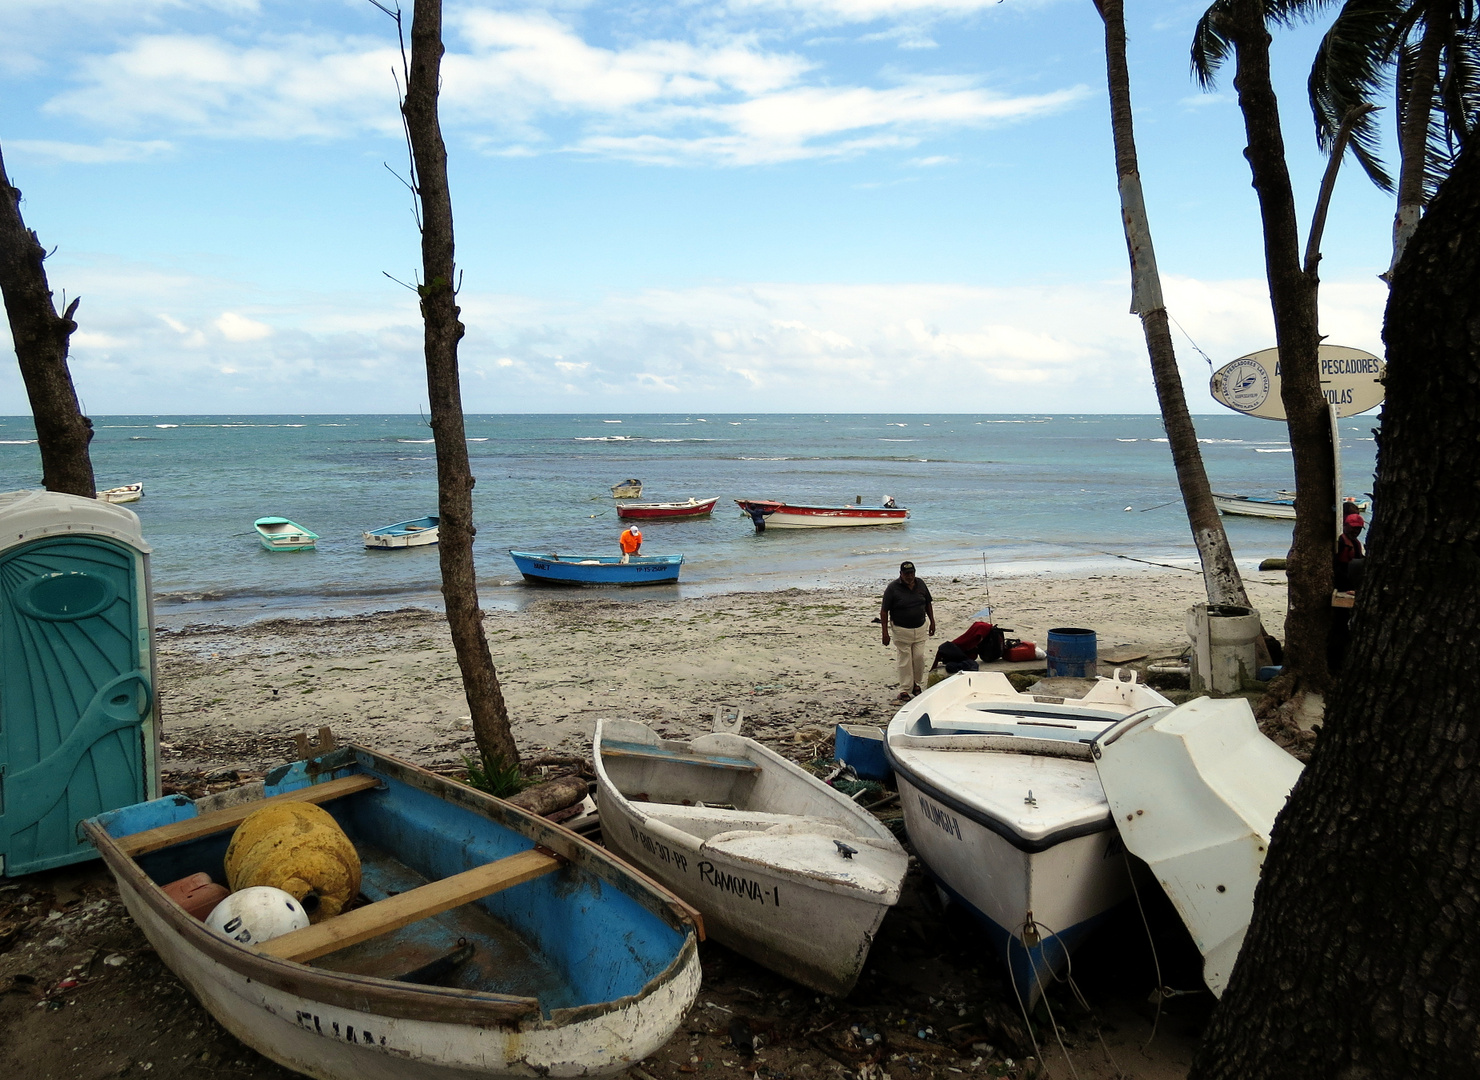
(82, 996)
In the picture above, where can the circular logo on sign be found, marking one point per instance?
(1246, 385)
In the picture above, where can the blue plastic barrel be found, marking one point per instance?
(1072, 651)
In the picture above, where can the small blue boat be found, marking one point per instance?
(418, 532)
(487, 944)
(598, 569)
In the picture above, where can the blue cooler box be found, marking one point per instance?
(862, 747)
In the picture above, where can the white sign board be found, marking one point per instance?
(1350, 378)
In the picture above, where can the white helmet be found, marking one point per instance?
(258, 914)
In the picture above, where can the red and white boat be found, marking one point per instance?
(667, 511)
(780, 515)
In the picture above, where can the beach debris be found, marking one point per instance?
(741, 1037)
(727, 720)
(552, 795)
(297, 847)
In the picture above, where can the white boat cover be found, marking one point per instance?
(1194, 792)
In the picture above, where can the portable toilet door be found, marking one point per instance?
(78, 718)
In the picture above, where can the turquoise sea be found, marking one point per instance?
(1008, 493)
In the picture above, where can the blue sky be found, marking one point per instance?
(778, 205)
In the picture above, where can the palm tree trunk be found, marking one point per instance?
(1292, 294)
(443, 330)
(1363, 956)
(41, 339)
(1413, 134)
(1220, 572)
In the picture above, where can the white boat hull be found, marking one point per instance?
(334, 1043)
(406, 540)
(782, 520)
(129, 493)
(1271, 509)
(752, 882)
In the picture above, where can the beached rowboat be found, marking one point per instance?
(785, 869)
(280, 534)
(579, 966)
(598, 569)
(667, 511)
(780, 515)
(417, 532)
(1006, 812)
(126, 494)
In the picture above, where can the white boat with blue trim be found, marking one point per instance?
(489, 943)
(418, 532)
(785, 869)
(1006, 811)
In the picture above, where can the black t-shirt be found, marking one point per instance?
(906, 606)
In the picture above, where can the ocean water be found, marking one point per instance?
(987, 494)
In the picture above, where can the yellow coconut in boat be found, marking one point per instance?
(299, 848)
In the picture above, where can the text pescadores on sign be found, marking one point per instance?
(1350, 378)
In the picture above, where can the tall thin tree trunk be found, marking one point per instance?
(1220, 572)
(1292, 294)
(1413, 135)
(41, 341)
(1363, 956)
(443, 331)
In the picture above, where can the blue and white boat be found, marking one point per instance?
(418, 532)
(489, 942)
(598, 569)
(1007, 814)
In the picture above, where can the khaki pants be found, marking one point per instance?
(909, 650)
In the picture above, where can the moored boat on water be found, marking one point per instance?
(1006, 811)
(126, 494)
(780, 515)
(418, 532)
(784, 869)
(280, 534)
(627, 489)
(1281, 507)
(550, 956)
(598, 569)
(667, 511)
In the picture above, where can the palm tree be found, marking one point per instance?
(1241, 27)
(1428, 53)
(1220, 572)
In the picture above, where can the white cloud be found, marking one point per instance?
(106, 152)
(234, 327)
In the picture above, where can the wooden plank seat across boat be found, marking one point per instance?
(489, 943)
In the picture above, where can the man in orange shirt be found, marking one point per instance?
(631, 541)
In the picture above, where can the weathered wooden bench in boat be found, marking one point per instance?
(786, 870)
(579, 965)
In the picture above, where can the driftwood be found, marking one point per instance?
(552, 795)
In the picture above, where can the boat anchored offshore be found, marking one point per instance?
(767, 513)
(667, 511)
(1006, 812)
(280, 534)
(785, 869)
(490, 942)
(627, 489)
(126, 494)
(417, 532)
(598, 569)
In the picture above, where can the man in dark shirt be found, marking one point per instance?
(908, 605)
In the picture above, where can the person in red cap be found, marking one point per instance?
(1350, 555)
(631, 542)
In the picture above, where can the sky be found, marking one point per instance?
(717, 205)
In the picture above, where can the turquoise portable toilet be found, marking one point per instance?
(79, 725)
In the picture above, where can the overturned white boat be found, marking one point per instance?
(1005, 809)
(785, 869)
(1195, 792)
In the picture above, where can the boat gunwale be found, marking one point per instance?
(409, 1001)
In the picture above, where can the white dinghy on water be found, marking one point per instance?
(784, 869)
(1006, 812)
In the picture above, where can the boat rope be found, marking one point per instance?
(1194, 344)
(1162, 991)
(1030, 926)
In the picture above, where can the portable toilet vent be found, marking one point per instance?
(78, 721)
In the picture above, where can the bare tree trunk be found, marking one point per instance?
(1292, 294)
(1363, 957)
(1413, 134)
(1220, 572)
(443, 331)
(41, 341)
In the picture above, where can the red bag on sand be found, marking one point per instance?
(197, 894)
(1022, 650)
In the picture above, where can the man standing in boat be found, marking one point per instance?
(908, 605)
(631, 541)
